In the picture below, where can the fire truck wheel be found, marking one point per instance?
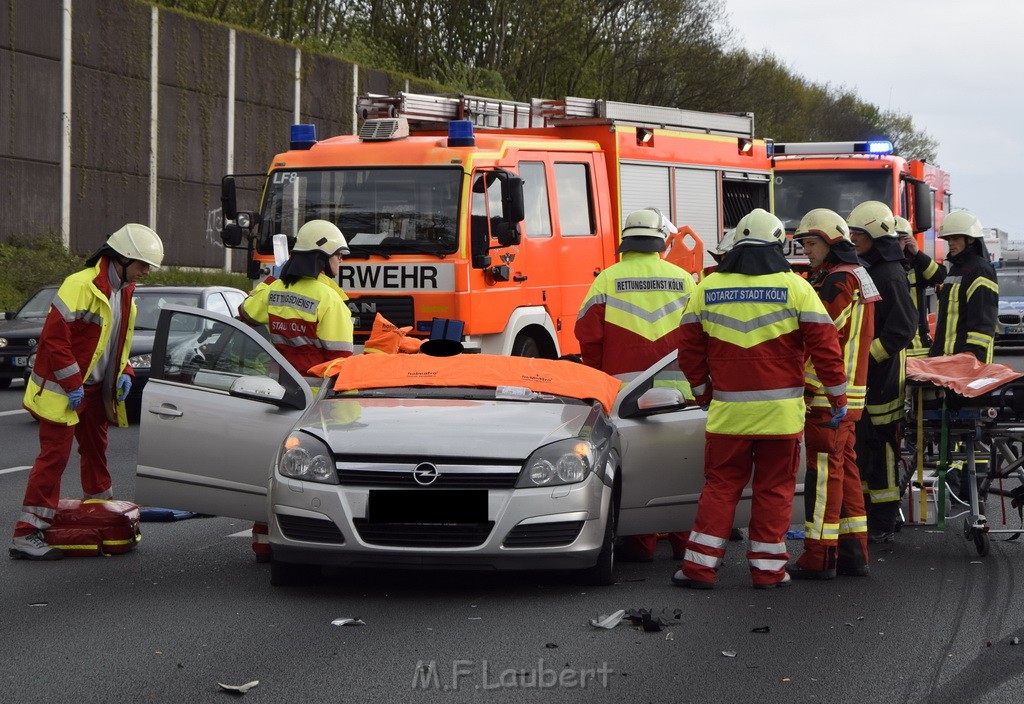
(525, 346)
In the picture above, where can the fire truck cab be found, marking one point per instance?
(841, 175)
(498, 213)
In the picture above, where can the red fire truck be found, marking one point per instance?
(840, 175)
(500, 213)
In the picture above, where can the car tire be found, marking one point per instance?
(292, 574)
(602, 574)
(5, 383)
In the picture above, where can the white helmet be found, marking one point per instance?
(136, 241)
(644, 231)
(320, 235)
(759, 227)
(824, 223)
(903, 226)
(874, 218)
(961, 222)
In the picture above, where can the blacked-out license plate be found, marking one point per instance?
(427, 506)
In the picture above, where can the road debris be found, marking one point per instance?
(729, 653)
(238, 688)
(608, 620)
(348, 622)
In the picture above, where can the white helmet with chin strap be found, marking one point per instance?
(138, 242)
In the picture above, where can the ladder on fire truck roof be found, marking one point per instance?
(429, 111)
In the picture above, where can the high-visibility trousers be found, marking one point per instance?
(728, 465)
(878, 457)
(835, 526)
(43, 489)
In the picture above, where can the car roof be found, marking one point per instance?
(182, 289)
(553, 376)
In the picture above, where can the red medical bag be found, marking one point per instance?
(94, 527)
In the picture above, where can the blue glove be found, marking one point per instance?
(837, 416)
(124, 385)
(75, 398)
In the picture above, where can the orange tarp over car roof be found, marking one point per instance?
(962, 373)
(374, 371)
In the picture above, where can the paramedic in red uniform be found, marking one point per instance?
(305, 308)
(306, 313)
(81, 377)
(836, 524)
(746, 332)
(629, 320)
(873, 231)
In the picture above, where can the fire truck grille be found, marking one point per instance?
(397, 309)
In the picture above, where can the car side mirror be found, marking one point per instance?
(257, 388)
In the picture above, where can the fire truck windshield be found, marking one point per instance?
(379, 210)
(797, 192)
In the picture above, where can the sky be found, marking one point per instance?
(955, 66)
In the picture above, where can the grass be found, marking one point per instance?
(29, 262)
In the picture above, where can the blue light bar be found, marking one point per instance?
(879, 147)
(302, 136)
(460, 134)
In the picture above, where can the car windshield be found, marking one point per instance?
(150, 303)
(379, 210)
(1011, 285)
(38, 305)
(797, 192)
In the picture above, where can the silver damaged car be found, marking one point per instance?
(412, 461)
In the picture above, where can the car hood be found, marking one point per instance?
(442, 427)
(22, 328)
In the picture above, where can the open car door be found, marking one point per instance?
(219, 403)
(662, 451)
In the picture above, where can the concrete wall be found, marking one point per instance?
(89, 180)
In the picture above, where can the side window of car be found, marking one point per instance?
(216, 303)
(214, 356)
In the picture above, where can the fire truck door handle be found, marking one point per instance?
(521, 277)
(597, 271)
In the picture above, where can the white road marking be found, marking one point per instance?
(14, 469)
(11, 413)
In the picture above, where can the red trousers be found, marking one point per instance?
(728, 465)
(43, 490)
(836, 526)
(641, 547)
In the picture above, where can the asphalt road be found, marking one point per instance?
(189, 609)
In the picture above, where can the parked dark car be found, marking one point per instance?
(150, 300)
(19, 334)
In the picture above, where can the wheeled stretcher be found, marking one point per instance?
(972, 414)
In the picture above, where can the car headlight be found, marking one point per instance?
(563, 462)
(304, 457)
(141, 361)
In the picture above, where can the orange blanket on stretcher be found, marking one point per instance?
(962, 373)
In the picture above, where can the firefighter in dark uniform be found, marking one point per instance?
(873, 231)
(969, 298)
(922, 272)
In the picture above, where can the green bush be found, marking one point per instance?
(29, 262)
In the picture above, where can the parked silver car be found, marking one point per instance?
(491, 471)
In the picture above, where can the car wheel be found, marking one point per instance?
(292, 574)
(603, 572)
(5, 383)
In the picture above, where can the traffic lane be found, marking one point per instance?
(190, 608)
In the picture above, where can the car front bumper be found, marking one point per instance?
(558, 527)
